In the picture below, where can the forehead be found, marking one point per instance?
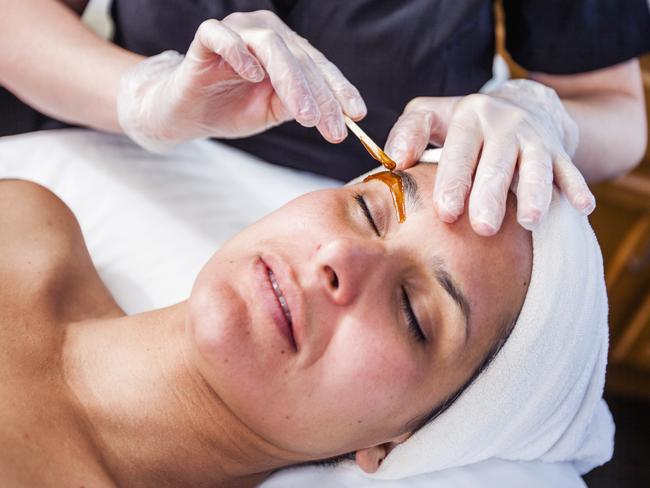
(422, 218)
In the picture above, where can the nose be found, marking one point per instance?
(345, 265)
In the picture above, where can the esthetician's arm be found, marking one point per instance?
(240, 76)
(54, 63)
(554, 129)
(608, 106)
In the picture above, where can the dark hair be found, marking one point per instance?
(416, 424)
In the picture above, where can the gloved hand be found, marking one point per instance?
(241, 75)
(518, 134)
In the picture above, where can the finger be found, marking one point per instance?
(443, 109)
(571, 182)
(331, 124)
(487, 200)
(213, 37)
(409, 137)
(321, 69)
(535, 185)
(345, 92)
(286, 75)
(457, 162)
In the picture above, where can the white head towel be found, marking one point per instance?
(541, 397)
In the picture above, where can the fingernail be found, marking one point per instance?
(586, 203)
(358, 107)
(528, 224)
(397, 151)
(531, 219)
(398, 156)
(253, 73)
(485, 219)
(451, 202)
(336, 128)
(309, 113)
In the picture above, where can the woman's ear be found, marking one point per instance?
(370, 458)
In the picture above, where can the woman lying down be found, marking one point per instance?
(325, 331)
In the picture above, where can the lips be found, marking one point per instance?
(278, 305)
(280, 296)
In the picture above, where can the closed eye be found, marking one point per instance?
(366, 211)
(411, 319)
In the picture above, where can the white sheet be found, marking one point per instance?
(150, 222)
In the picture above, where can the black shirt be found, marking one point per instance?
(393, 51)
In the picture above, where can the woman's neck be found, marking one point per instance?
(153, 419)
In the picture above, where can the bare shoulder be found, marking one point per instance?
(39, 231)
(27, 208)
(43, 256)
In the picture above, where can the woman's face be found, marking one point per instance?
(360, 370)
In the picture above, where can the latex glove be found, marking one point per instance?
(519, 134)
(241, 75)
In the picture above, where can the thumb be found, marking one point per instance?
(441, 108)
(218, 53)
(424, 120)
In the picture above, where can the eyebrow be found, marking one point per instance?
(453, 290)
(411, 190)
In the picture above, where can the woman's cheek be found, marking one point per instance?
(373, 363)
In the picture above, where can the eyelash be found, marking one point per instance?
(366, 211)
(411, 319)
